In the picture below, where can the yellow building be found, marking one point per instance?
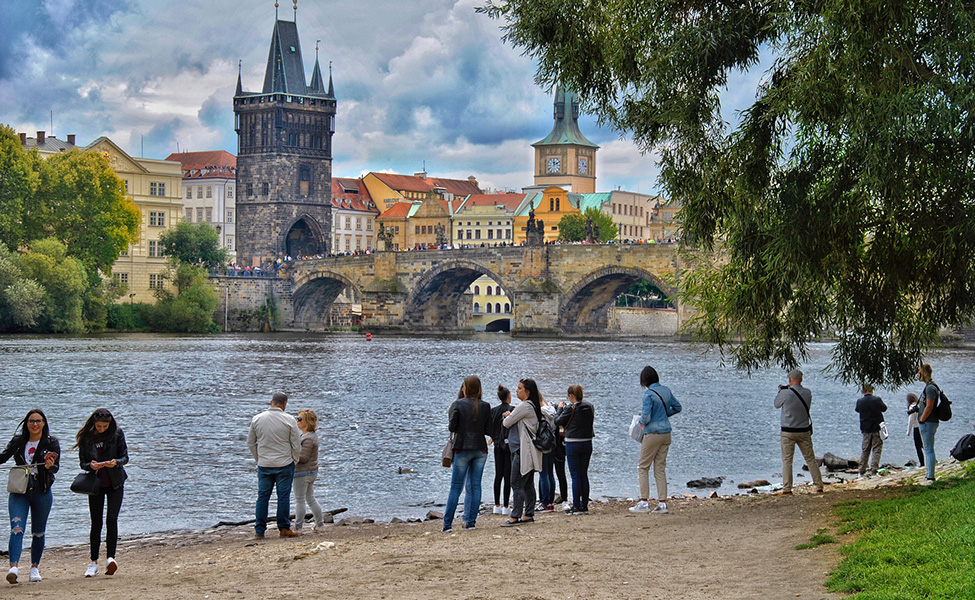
(486, 220)
(387, 189)
(492, 308)
(549, 207)
(156, 188)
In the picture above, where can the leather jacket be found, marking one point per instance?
(470, 432)
(115, 447)
(44, 475)
(577, 420)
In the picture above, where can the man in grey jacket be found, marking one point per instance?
(275, 442)
(795, 402)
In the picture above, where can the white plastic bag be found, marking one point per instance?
(636, 429)
(883, 430)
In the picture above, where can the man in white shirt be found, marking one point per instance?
(275, 442)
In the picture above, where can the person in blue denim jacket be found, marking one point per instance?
(659, 405)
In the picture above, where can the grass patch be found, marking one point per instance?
(817, 540)
(920, 544)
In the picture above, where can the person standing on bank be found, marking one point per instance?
(275, 443)
(34, 446)
(306, 472)
(470, 422)
(871, 409)
(522, 422)
(502, 455)
(796, 424)
(577, 419)
(659, 405)
(102, 449)
(913, 430)
(927, 418)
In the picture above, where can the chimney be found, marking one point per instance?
(473, 180)
(40, 138)
(420, 174)
(23, 139)
(71, 139)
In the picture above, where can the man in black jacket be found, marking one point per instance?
(871, 409)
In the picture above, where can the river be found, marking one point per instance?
(185, 403)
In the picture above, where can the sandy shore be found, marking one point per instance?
(734, 547)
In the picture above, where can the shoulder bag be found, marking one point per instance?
(18, 479)
(447, 456)
(87, 483)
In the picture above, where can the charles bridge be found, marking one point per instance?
(559, 289)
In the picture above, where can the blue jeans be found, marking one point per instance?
(927, 440)
(38, 504)
(577, 455)
(467, 470)
(546, 480)
(267, 479)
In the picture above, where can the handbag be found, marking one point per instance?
(636, 429)
(87, 483)
(18, 479)
(447, 458)
(883, 429)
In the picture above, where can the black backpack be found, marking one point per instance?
(965, 448)
(544, 438)
(943, 410)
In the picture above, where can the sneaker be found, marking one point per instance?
(35, 575)
(548, 508)
(12, 575)
(497, 510)
(111, 567)
(92, 569)
(469, 525)
(661, 508)
(581, 511)
(566, 507)
(642, 507)
(447, 529)
(505, 511)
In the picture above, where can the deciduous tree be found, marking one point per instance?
(572, 227)
(842, 203)
(194, 244)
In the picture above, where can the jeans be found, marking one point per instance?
(927, 440)
(468, 468)
(267, 479)
(546, 480)
(578, 454)
(304, 487)
(38, 504)
(502, 474)
(96, 503)
(522, 489)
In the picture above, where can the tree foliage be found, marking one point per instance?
(572, 227)
(194, 244)
(63, 280)
(190, 309)
(843, 201)
(19, 178)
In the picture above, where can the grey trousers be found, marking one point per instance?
(873, 443)
(522, 489)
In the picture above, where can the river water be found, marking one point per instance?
(185, 403)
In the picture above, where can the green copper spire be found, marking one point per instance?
(566, 129)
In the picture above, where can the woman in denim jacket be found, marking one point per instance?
(658, 405)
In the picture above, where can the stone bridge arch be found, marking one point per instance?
(314, 295)
(435, 302)
(585, 306)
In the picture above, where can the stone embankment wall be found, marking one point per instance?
(650, 322)
(250, 298)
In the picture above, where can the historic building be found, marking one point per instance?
(353, 216)
(548, 207)
(387, 189)
(565, 157)
(486, 219)
(492, 307)
(209, 193)
(284, 157)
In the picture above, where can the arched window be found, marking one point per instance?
(488, 290)
(477, 292)
(488, 307)
(507, 307)
(498, 291)
(477, 307)
(497, 307)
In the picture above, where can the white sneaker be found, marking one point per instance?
(505, 511)
(497, 510)
(35, 575)
(661, 508)
(12, 575)
(566, 507)
(92, 569)
(111, 566)
(642, 507)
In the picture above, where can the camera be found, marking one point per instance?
(783, 387)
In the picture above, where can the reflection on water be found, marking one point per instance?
(185, 404)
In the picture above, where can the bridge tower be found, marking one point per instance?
(284, 156)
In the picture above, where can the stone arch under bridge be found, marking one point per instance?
(585, 306)
(314, 296)
(437, 300)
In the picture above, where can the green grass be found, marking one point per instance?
(819, 539)
(919, 544)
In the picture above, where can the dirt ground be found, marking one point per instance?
(727, 548)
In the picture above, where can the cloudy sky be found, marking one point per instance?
(419, 82)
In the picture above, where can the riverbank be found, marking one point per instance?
(732, 547)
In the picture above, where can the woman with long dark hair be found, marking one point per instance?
(522, 422)
(470, 422)
(35, 446)
(102, 450)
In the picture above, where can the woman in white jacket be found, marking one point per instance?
(525, 458)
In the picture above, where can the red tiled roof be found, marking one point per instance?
(510, 201)
(213, 164)
(400, 210)
(413, 183)
(344, 197)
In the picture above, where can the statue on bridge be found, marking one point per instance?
(441, 233)
(535, 230)
(588, 232)
(385, 238)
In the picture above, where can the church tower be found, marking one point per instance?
(284, 156)
(565, 157)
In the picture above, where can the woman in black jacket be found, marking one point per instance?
(470, 422)
(34, 446)
(101, 449)
(577, 419)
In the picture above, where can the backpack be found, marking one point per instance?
(943, 410)
(544, 438)
(965, 448)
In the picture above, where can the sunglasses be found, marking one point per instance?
(103, 416)
(299, 419)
